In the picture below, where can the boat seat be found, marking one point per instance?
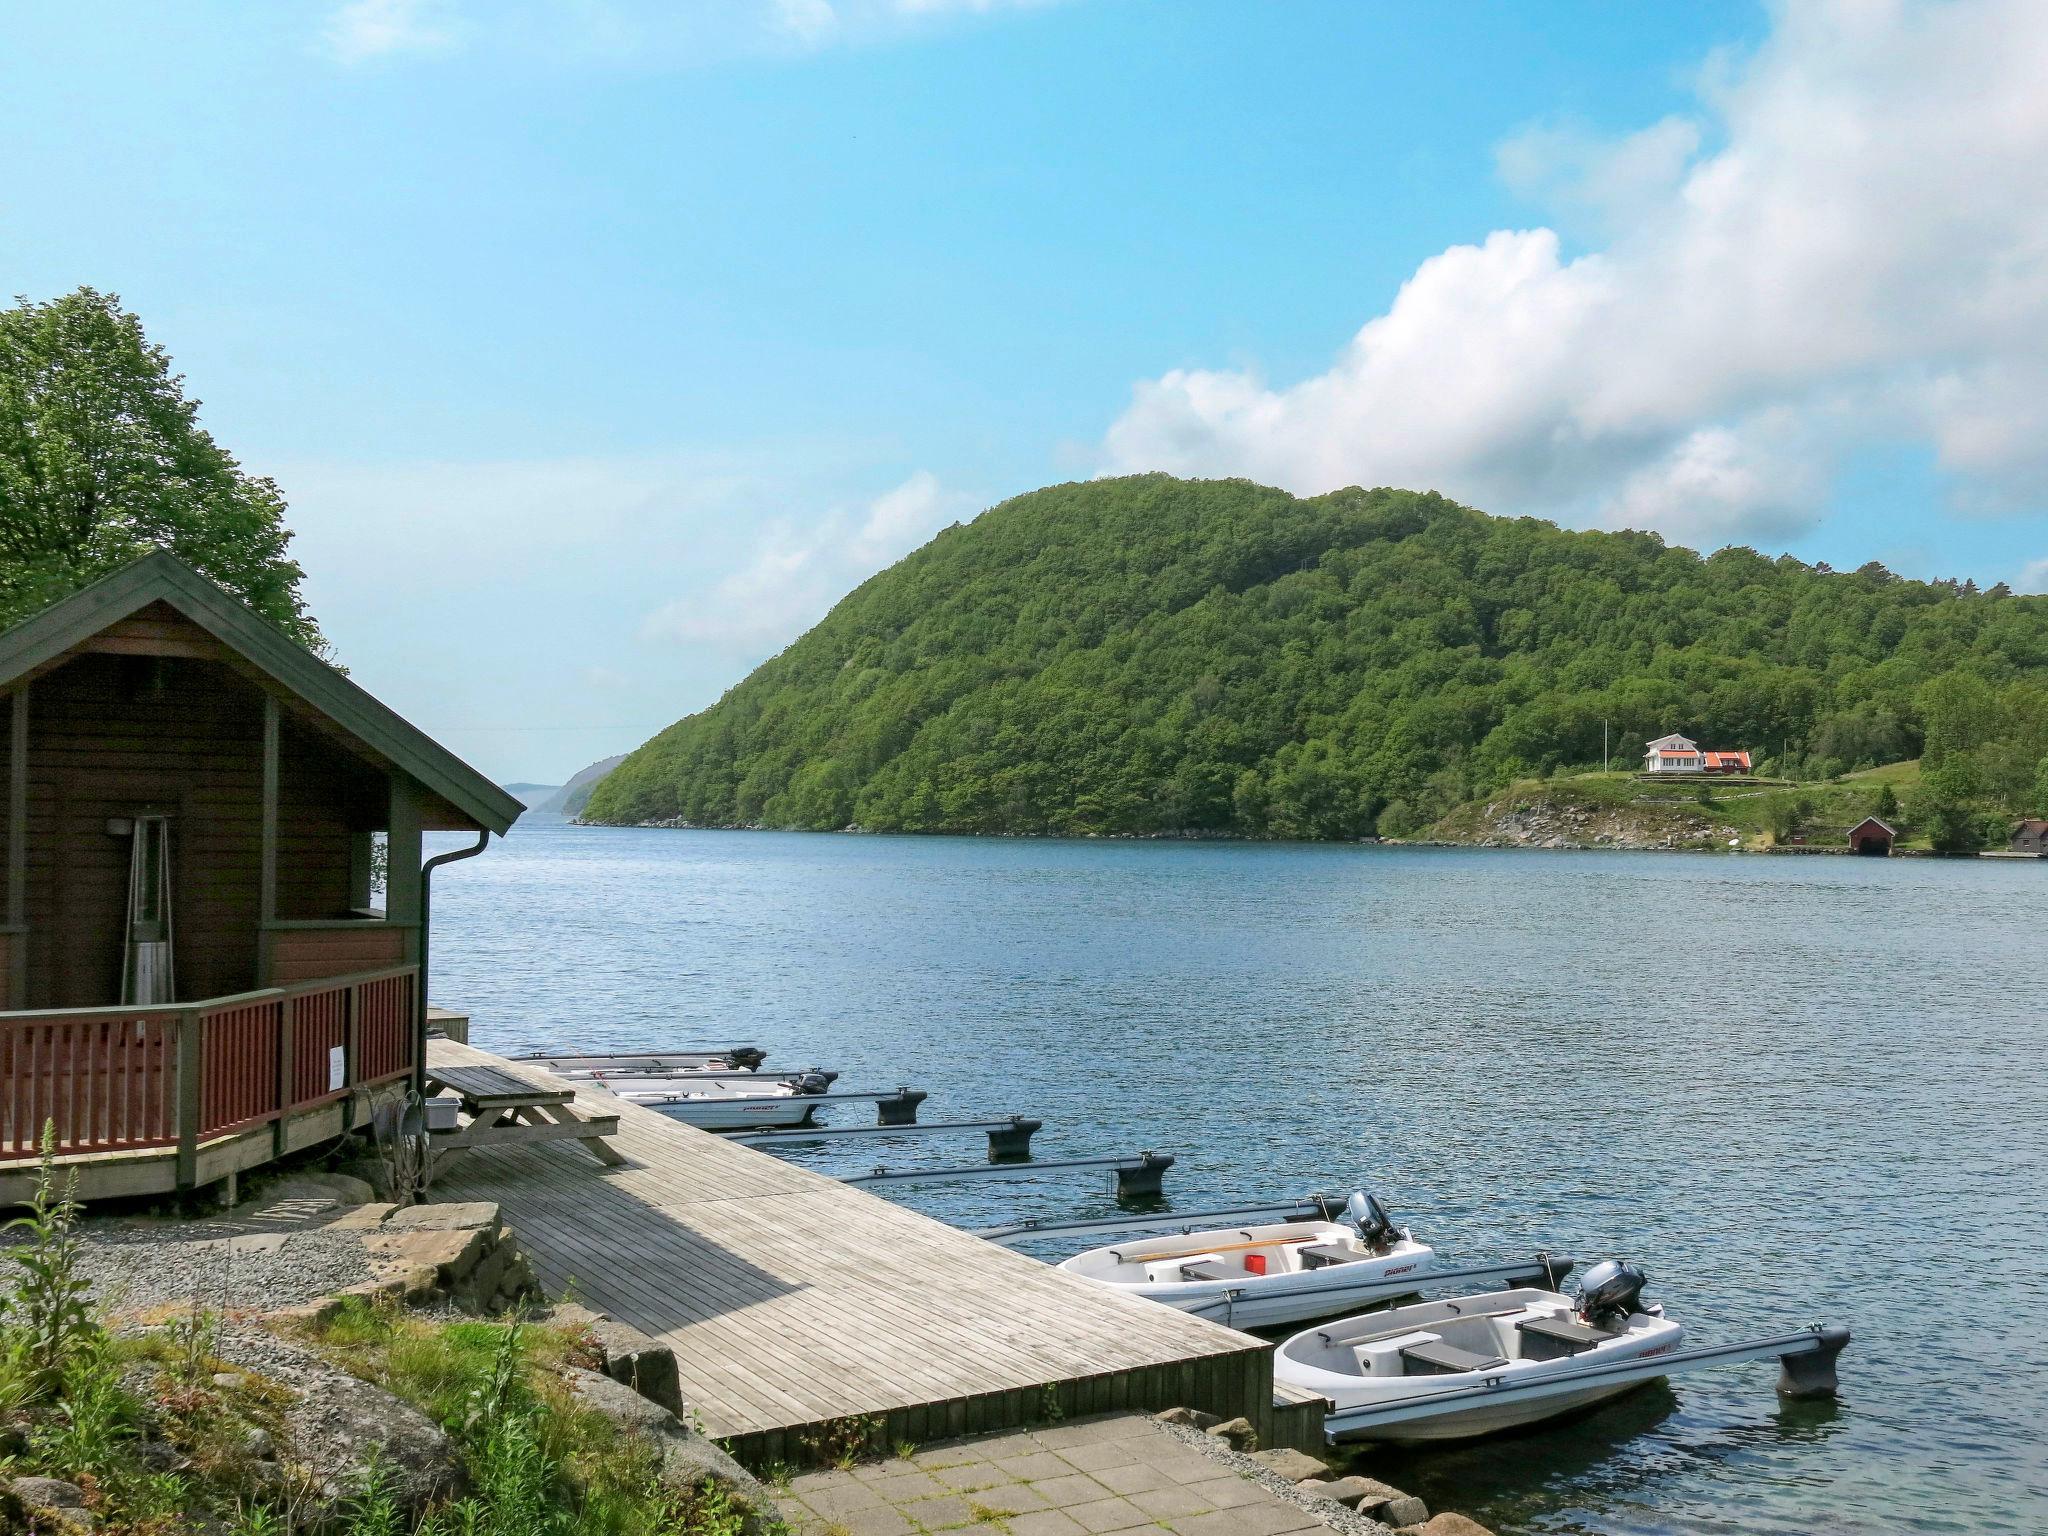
(1557, 1338)
(1207, 1269)
(1436, 1358)
(1323, 1255)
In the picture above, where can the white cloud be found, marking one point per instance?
(2033, 576)
(796, 573)
(370, 29)
(1863, 254)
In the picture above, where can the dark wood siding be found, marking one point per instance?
(114, 735)
(308, 954)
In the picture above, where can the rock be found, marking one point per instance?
(1194, 1418)
(48, 1493)
(227, 1381)
(1295, 1466)
(338, 1424)
(347, 1188)
(361, 1218)
(686, 1458)
(1447, 1525)
(460, 1216)
(1351, 1492)
(258, 1446)
(1238, 1434)
(1405, 1510)
(569, 1314)
(480, 1287)
(635, 1360)
(452, 1252)
(298, 1196)
(157, 1456)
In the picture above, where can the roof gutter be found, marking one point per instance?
(419, 1054)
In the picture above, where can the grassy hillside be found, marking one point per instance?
(1618, 810)
(1154, 656)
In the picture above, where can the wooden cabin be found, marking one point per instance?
(1873, 837)
(2029, 839)
(195, 978)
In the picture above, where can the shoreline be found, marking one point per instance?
(1490, 844)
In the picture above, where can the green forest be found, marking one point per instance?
(1155, 656)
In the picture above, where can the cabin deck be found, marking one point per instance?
(792, 1300)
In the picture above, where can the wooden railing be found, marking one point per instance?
(130, 1079)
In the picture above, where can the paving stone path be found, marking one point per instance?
(1117, 1474)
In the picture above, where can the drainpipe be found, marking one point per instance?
(419, 1055)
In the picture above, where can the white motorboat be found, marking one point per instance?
(1259, 1276)
(747, 1080)
(728, 1058)
(1453, 1370)
(718, 1107)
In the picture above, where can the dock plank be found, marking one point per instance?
(791, 1299)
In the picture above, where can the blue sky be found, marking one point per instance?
(600, 346)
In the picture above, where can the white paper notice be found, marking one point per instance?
(337, 1068)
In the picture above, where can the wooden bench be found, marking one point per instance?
(505, 1109)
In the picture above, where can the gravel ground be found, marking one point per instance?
(151, 1263)
(1332, 1514)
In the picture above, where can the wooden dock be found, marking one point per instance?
(793, 1301)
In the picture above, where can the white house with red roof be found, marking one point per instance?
(1681, 754)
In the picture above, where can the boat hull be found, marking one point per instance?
(1477, 1423)
(1245, 1300)
(738, 1114)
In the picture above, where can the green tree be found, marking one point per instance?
(1959, 713)
(1887, 806)
(1945, 805)
(102, 457)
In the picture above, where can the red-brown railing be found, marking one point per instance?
(106, 1078)
(122, 1079)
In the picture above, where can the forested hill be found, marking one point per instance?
(1152, 655)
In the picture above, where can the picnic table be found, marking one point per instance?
(503, 1109)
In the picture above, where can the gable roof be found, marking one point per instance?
(161, 577)
(1874, 821)
(1681, 743)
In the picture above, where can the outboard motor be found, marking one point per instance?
(1369, 1217)
(1609, 1292)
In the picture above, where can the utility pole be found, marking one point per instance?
(1603, 749)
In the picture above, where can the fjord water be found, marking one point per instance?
(1792, 1089)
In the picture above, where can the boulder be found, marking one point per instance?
(632, 1358)
(1193, 1418)
(348, 1189)
(687, 1458)
(1447, 1525)
(48, 1493)
(1295, 1466)
(1238, 1434)
(337, 1425)
(1405, 1510)
(1351, 1492)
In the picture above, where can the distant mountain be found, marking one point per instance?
(531, 795)
(1163, 657)
(570, 799)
